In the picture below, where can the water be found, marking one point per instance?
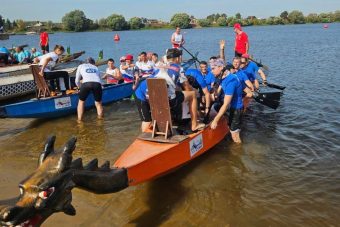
(286, 173)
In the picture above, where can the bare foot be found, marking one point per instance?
(199, 126)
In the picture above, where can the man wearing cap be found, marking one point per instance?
(91, 82)
(175, 79)
(241, 41)
(231, 95)
(128, 69)
(250, 68)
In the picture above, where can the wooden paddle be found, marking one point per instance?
(22, 46)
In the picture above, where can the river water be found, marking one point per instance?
(286, 172)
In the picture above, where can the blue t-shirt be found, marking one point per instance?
(174, 72)
(20, 57)
(197, 75)
(209, 79)
(242, 77)
(251, 71)
(36, 54)
(231, 85)
(141, 91)
(4, 50)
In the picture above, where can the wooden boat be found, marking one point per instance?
(62, 105)
(151, 156)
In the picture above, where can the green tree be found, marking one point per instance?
(325, 17)
(76, 21)
(312, 18)
(2, 21)
(204, 22)
(181, 20)
(117, 22)
(136, 23)
(20, 25)
(8, 24)
(238, 16)
(211, 18)
(49, 25)
(296, 17)
(336, 16)
(284, 15)
(222, 21)
(102, 23)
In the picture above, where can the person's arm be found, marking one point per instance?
(207, 99)
(222, 45)
(223, 109)
(247, 43)
(263, 76)
(78, 77)
(249, 85)
(172, 40)
(44, 64)
(118, 74)
(248, 92)
(183, 41)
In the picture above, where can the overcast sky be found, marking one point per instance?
(44, 10)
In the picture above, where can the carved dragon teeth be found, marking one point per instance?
(77, 164)
(105, 166)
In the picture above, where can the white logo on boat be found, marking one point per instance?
(196, 144)
(62, 102)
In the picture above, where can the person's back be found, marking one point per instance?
(87, 73)
(250, 70)
(4, 55)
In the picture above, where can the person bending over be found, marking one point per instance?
(91, 82)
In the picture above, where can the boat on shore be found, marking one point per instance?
(62, 105)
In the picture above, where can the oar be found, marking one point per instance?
(193, 57)
(259, 64)
(276, 86)
(270, 99)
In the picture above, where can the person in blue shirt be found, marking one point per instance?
(231, 90)
(35, 53)
(250, 69)
(247, 85)
(4, 55)
(197, 79)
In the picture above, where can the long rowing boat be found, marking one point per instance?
(62, 105)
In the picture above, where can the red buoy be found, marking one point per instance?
(116, 37)
(325, 26)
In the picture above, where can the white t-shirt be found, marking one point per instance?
(146, 68)
(171, 84)
(88, 73)
(50, 64)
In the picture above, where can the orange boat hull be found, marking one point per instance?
(146, 160)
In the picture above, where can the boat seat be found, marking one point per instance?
(42, 89)
(160, 108)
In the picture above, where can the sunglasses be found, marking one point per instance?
(242, 63)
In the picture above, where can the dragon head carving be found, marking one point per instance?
(49, 189)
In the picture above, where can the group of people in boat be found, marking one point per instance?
(213, 89)
(18, 55)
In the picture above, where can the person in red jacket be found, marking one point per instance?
(44, 42)
(241, 41)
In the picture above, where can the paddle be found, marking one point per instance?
(270, 99)
(193, 57)
(276, 86)
(259, 64)
(22, 46)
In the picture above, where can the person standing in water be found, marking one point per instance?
(177, 38)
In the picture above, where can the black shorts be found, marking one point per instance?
(45, 48)
(4, 58)
(143, 110)
(94, 87)
(235, 119)
(176, 106)
(237, 54)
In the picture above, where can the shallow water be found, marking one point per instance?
(286, 173)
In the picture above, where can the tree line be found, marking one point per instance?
(77, 21)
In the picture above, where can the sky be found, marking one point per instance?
(45, 10)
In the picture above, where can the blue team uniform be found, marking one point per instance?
(231, 85)
(251, 71)
(242, 77)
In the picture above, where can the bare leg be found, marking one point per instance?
(190, 97)
(236, 137)
(145, 126)
(99, 108)
(80, 109)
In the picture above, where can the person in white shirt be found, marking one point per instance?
(47, 62)
(112, 74)
(91, 82)
(177, 38)
(144, 66)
